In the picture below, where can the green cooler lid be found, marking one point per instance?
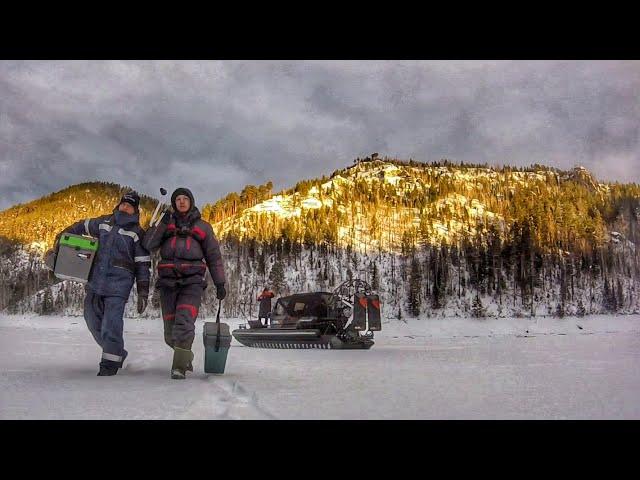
(86, 243)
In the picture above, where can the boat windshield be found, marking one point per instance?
(303, 305)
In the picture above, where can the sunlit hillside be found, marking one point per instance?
(439, 238)
(37, 223)
(389, 205)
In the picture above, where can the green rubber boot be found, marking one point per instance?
(189, 366)
(182, 359)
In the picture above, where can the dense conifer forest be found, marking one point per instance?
(436, 239)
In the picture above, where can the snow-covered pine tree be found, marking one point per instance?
(437, 289)
(276, 277)
(415, 281)
(619, 295)
(608, 297)
(477, 309)
(262, 265)
(47, 302)
(375, 280)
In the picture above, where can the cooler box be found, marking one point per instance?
(75, 257)
(215, 361)
(50, 260)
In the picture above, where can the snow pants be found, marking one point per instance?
(180, 305)
(104, 319)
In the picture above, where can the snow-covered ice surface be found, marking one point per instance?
(428, 368)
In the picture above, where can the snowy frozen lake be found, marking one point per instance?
(572, 368)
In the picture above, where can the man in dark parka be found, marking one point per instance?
(188, 247)
(120, 259)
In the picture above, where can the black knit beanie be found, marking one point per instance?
(132, 198)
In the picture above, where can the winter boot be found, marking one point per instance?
(107, 372)
(124, 356)
(190, 366)
(108, 368)
(181, 362)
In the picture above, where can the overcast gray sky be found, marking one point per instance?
(215, 126)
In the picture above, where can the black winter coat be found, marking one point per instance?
(265, 303)
(187, 247)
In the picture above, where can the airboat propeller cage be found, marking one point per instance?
(76, 254)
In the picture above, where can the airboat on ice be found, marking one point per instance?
(343, 319)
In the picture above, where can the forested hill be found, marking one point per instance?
(391, 205)
(383, 205)
(37, 223)
(434, 239)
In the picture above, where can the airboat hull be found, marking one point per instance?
(297, 339)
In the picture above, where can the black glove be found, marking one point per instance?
(220, 291)
(143, 296)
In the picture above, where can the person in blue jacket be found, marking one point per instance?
(119, 259)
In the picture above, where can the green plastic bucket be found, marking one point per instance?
(215, 359)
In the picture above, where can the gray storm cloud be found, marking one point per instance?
(215, 126)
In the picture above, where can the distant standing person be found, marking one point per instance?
(265, 305)
(188, 247)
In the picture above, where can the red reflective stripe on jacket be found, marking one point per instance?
(198, 231)
(188, 243)
(171, 226)
(192, 309)
(173, 243)
(182, 265)
(169, 316)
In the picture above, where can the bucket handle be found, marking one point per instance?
(217, 347)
